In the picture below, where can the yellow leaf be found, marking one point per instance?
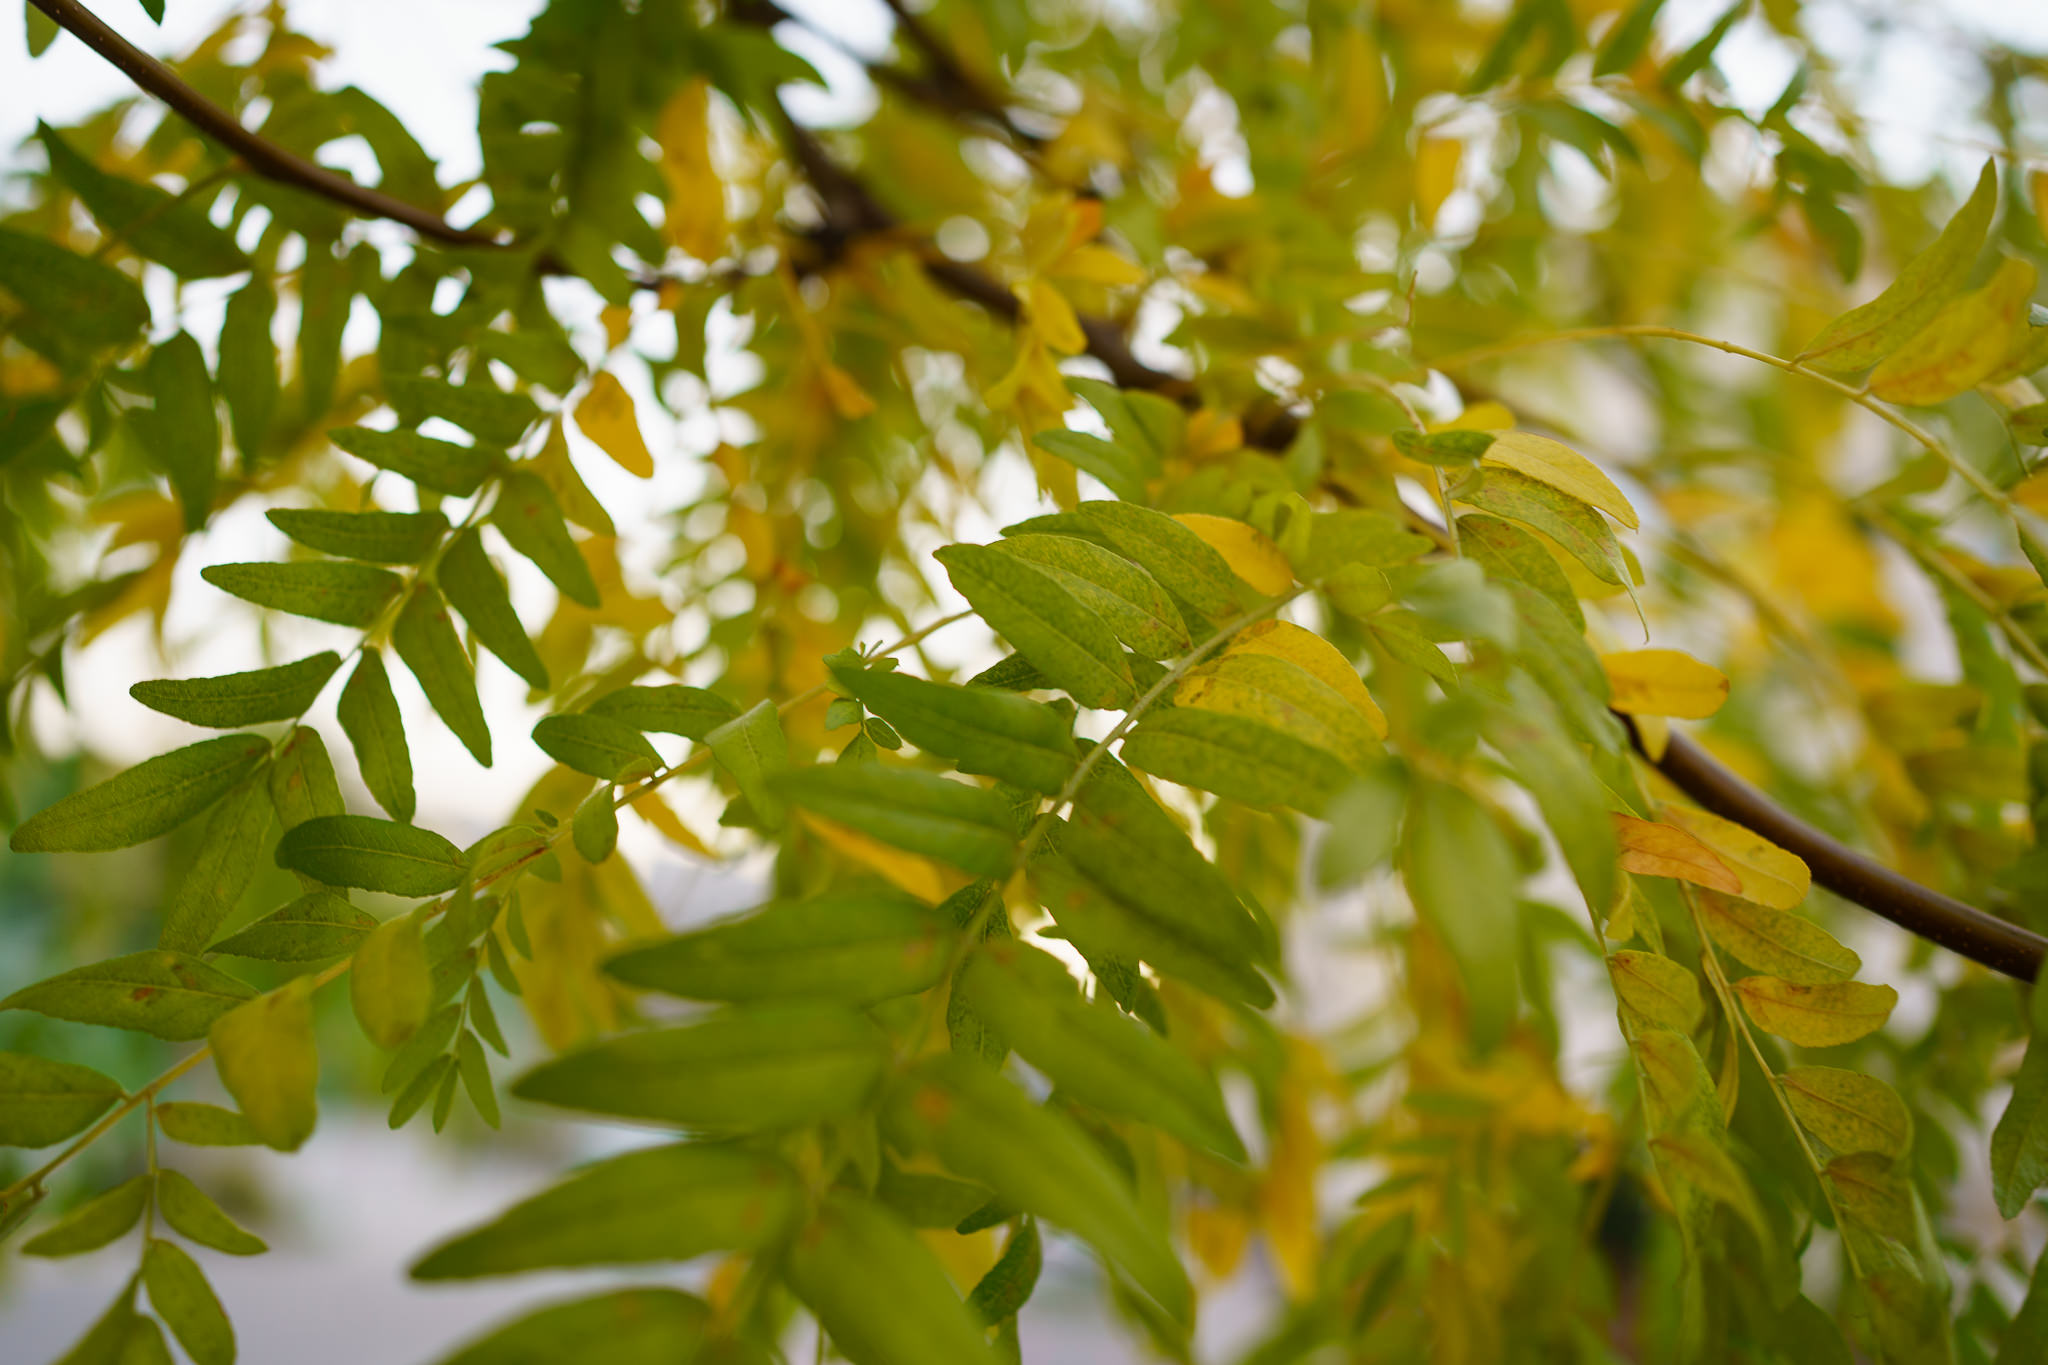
(847, 397)
(1816, 1016)
(1664, 682)
(1966, 341)
(1360, 83)
(650, 807)
(696, 198)
(1212, 433)
(1655, 734)
(1050, 318)
(618, 324)
(1093, 264)
(1217, 1235)
(1251, 556)
(1658, 850)
(1485, 415)
(1436, 175)
(606, 416)
(1287, 1195)
(1310, 651)
(1563, 468)
(919, 876)
(1770, 875)
(2039, 184)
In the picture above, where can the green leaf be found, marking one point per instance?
(986, 731)
(474, 588)
(1152, 426)
(203, 1125)
(248, 366)
(1579, 528)
(877, 1291)
(964, 825)
(327, 286)
(435, 465)
(44, 1101)
(428, 1044)
(2019, 1143)
(234, 699)
(1361, 538)
(601, 746)
(222, 868)
(182, 1298)
(1867, 334)
(475, 1070)
(376, 537)
(191, 1213)
(531, 522)
(1122, 471)
(750, 1069)
(1008, 1284)
(596, 826)
(1628, 39)
(94, 1223)
(369, 717)
(854, 948)
(166, 995)
(317, 927)
(1129, 600)
(151, 222)
(1182, 562)
(86, 299)
(1235, 757)
(1511, 554)
(984, 1128)
(1554, 770)
(1787, 946)
(324, 590)
(1655, 991)
(302, 783)
(753, 749)
(377, 855)
(484, 412)
(1093, 1053)
(151, 798)
(623, 1327)
(1073, 647)
(483, 1018)
(267, 1060)
(426, 641)
(690, 712)
(180, 432)
(1461, 873)
(391, 987)
(667, 1203)
(1849, 1111)
(2026, 1336)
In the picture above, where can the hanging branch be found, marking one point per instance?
(259, 153)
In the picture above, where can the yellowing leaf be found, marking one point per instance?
(1557, 464)
(1436, 175)
(1776, 942)
(606, 416)
(696, 198)
(1656, 989)
(1485, 415)
(1658, 850)
(1310, 651)
(266, 1057)
(650, 807)
(1251, 556)
(1050, 317)
(617, 319)
(918, 875)
(1967, 340)
(1770, 875)
(1093, 264)
(1664, 682)
(1816, 1016)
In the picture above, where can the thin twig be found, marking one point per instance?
(263, 156)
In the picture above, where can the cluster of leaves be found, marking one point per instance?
(1345, 631)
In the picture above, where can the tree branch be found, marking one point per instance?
(1959, 927)
(261, 155)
